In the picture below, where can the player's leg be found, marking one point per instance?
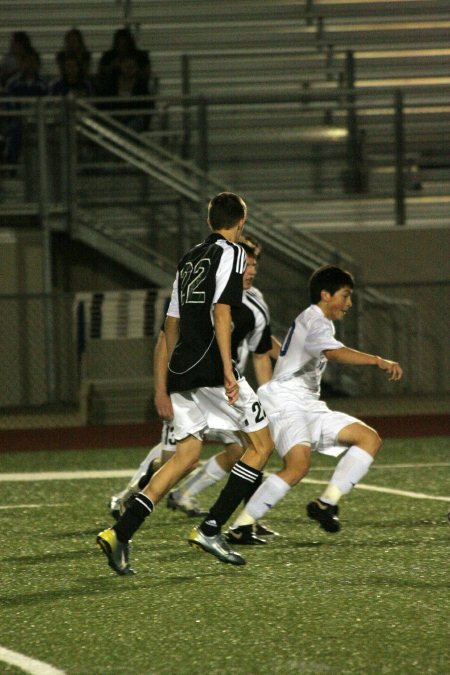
(184, 497)
(296, 463)
(189, 427)
(246, 413)
(167, 448)
(157, 456)
(119, 501)
(363, 444)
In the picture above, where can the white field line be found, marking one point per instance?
(127, 473)
(27, 664)
(121, 473)
(30, 506)
(389, 491)
(65, 475)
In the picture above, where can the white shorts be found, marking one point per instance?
(290, 424)
(225, 437)
(168, 441)
(198, 410)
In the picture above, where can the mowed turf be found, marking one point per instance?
(374, 598)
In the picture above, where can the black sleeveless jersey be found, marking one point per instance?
(209, 273)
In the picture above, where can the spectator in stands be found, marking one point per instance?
(74, 44)
(10, 65)
(123, 44)
(27, 82)
(73, 79)
(126, 82)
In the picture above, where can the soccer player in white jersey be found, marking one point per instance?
(206, 390)
(300, 421)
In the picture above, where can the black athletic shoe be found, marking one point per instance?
(243, 536)
(263, 531)
(325, 514)
(190, 507)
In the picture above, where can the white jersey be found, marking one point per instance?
(258, 339)
(301, 363)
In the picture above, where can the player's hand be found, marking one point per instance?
(231, 389)
(163, 406)
(393, 368)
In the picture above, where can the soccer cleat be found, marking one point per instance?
(325, 514)
(116, 552)
(216, 545)
(263, 531)
(244, 536)
(189, 506)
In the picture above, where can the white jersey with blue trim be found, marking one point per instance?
(301, 356)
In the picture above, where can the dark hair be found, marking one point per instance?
(79, 34)
(328, 278)
(250, 246)
(127, 35)
(225, 211)
(22, 38)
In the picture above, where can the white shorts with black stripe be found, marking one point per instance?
(198, 410)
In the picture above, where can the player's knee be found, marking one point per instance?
(295, 468)
(234, 452)
(371, 441)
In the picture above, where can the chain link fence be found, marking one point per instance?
(86, 358)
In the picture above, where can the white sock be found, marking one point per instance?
(266, 496)
(154, 453)
(209, 474)
(350, 469)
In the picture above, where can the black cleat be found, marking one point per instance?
(325, 514)
(243, 536)
(263, 531)
(190, 506)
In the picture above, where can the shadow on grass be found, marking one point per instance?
(74, 533)
(112, 583)
(48, 558)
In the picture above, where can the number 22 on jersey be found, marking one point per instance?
(191, 278)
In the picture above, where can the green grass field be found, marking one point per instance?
(374, 598)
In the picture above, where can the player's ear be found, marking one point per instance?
(325, 295)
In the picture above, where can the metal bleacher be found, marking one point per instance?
(274, 74)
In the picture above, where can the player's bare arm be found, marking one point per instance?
(162, 400)
(262, 366)
(222, 327)
(353, 357)
(274, 353)
(172, 332)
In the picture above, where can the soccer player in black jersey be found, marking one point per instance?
(206, 389)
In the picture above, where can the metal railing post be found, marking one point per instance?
(186, 90)
(202, 126)
(44, 213)
(71, 166)
(202, 153)
(353, 168)
(400, 216)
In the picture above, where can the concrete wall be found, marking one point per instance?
(413, 265)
